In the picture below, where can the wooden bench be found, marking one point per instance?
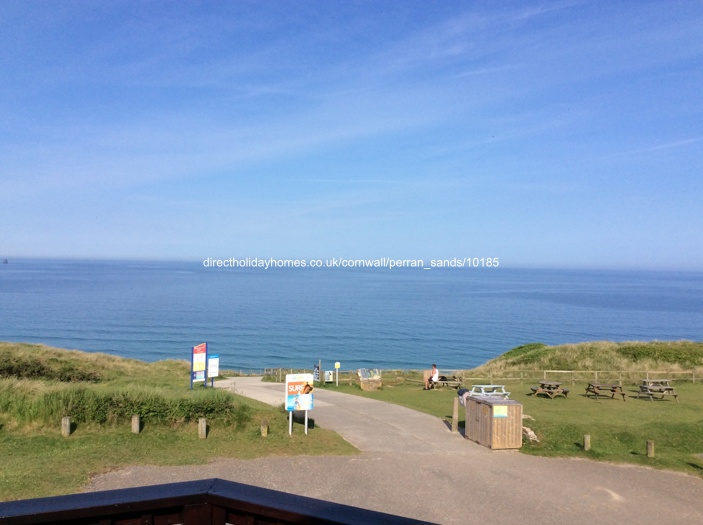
(448, 381)
(453, 381)
(551, 392)
(601, 389)
(651, 391)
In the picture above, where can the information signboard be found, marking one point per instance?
(299, 394)
(213, 366)
(198, 364)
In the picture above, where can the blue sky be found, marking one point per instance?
(554, 134)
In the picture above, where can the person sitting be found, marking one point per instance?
(432, 378)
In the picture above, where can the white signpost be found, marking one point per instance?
(299, 396)
(213, 368)
(337, 366)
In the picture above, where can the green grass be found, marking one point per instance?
(38, 461)
(100, 395)
(619, 430)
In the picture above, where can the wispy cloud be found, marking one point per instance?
(655, 148)
(292, 120)
(676, 144)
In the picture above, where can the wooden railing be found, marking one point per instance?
(587, 375)
(531, 375)
(204, 502)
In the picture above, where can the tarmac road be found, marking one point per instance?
(412, 465)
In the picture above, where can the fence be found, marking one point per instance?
(279, 374)
(566, 376)
(573, 376)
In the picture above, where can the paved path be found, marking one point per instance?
(412, 465)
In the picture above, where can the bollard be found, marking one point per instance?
(455, 415)
(202, 428)
(650, 448)
(586, 442)
(136, 424)
(66, 426)
(264, 427)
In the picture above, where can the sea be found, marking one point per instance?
(400, 318)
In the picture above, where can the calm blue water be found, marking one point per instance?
(401, 318)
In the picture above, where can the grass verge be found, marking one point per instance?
(37, 461)
(619, 430)
(100, 392)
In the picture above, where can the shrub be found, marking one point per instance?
(24, 401)
(23, 366)
(521, 350)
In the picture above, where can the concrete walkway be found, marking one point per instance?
(412, 465)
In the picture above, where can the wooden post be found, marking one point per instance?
(650, 448)
(66, 426)
(264, 427)
(136, 424)
(586, 442)
(202, 428)
(455, 415)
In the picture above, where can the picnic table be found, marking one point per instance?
(550, 388)
(450, 381)
(489, 390)
(653, 387)
(603, 389)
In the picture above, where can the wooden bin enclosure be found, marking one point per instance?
(494, 422)
(369, 385)
(369, 380)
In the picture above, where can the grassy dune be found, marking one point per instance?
(631, 358)
(41, 385)
(36, 361)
